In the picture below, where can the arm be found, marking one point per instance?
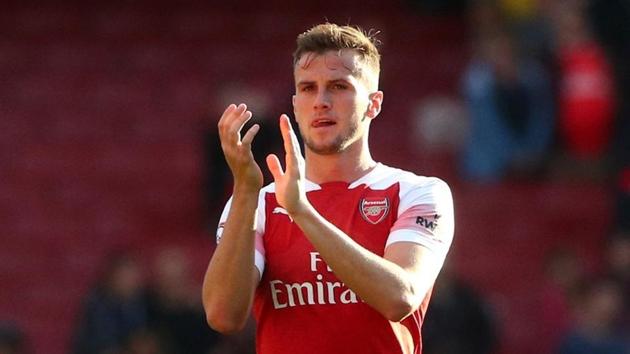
(395, 285)
(231, 278)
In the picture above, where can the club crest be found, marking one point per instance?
(373, 209)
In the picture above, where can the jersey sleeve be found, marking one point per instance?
(259, 252)
(425, 216)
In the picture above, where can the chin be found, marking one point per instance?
(324, 149)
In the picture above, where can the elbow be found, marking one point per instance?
(223, 322)
(400, 309)
(398, 314)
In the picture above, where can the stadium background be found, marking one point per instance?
(103, 108)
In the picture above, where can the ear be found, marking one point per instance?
(375, 103)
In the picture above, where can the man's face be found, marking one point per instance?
(332, 102)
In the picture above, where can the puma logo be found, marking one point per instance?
(279, 210)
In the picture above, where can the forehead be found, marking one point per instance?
(335, 63)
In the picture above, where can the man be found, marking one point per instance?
(339, 254)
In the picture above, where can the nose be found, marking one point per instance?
(322, 100)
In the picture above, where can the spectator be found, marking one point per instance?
(618, 268)
(622, 221)
(586, 88)
(525, 18)
(440, 124)
(511, 110)
(563, 273)
(12, 339)
(174, 307)
(243, 342)
(597, 310)
(458, 320)
(114, 310)
(485, 18)
(145, 341)
(610, 20)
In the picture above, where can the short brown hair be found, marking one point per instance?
(330, 36)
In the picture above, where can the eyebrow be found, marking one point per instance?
(312, 82)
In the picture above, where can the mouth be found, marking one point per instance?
(322, 122)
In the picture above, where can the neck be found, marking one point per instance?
(346, 166)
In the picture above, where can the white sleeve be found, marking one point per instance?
(259, 252)
(425, 216)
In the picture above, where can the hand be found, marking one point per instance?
(290, 192)
(237, 151)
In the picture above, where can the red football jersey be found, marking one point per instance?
(300, 305)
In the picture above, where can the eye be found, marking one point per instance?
(340, 86)
(306, 88)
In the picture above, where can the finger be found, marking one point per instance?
(240, 121)
(237, 111)
(249, 136)
(228, 110)
(286, 130)
(227, 117)
(273, 163)
(241, 108)
(294, 141)
(237, 124)
(231, 111)
(293, 157)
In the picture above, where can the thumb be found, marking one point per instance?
(273, 163)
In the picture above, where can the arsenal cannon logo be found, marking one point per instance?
(373, 209)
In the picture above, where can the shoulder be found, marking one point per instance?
(411, 182)
(415, 190)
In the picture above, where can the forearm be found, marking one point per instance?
(231, 278)
(384, 285)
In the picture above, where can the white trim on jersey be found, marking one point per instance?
(259, 252)
(259, 262)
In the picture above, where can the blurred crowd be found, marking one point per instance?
(131, 311)
(547, 95)
(545, 89)
(587, 312)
